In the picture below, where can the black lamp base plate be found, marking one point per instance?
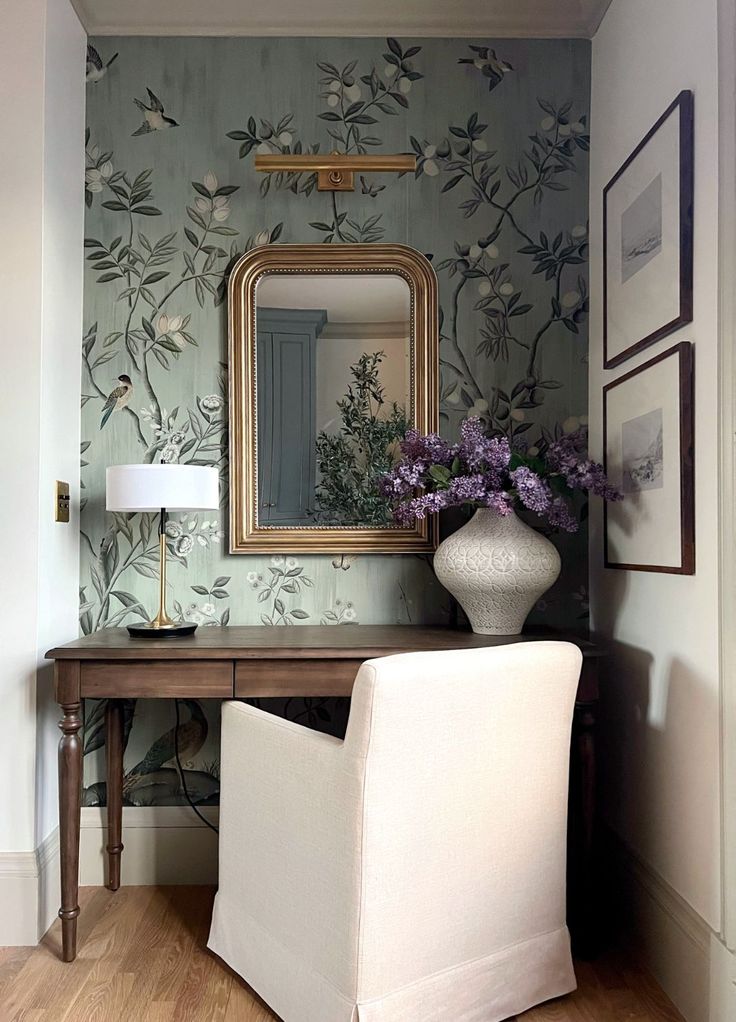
(148, 631)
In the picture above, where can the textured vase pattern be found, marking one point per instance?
(497, 568)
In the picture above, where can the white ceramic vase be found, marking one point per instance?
(497, 568)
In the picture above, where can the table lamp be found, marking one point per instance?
(162, 488)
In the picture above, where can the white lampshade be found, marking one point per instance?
(152, 487)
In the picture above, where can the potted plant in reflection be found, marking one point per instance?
(352, 459)
(496, 566)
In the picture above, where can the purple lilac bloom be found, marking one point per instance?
(500, 502)
(477, 450)
(420, 507)
(403, 479)
(532, 491)
(565, 456)
(431, 448)
(558, 514)
(589, 475)
(477, 473)
(463, 489)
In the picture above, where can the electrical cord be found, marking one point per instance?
(187, 796)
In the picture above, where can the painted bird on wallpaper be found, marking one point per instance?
(191, 737)
(117, 398)
(488, 64)
(154, 117)
(95, 69)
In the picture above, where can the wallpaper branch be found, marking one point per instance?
(498, 202)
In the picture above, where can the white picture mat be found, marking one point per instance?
(650, 298)
(645, 527)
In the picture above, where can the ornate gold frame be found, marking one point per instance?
(246, 535)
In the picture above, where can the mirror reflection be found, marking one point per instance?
(333, 395)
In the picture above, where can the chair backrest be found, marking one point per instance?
(465, 758)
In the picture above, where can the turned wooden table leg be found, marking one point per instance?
(70, 786)
(114, 751)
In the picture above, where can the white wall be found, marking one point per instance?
(63, 257)
(660, 715)
(335, 356)
(21, 174)
(42, 48)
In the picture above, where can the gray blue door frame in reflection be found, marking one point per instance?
(286, 361)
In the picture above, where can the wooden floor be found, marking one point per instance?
(142, 958)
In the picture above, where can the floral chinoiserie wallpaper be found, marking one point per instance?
(499, 204)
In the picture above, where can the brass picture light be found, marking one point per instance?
(335, 171)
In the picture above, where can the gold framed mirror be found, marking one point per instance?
(333, 356)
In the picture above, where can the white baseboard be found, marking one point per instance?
(723, 983)
(671, 939)
(163, 845)
(29, 892)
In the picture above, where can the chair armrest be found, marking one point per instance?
(272, 730)
(291, 806)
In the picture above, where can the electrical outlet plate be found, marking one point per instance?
(62, 502)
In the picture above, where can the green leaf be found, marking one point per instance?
(300, 615)
(194, 215)
(452, 182)
(200, 590)
(440, 474)
(145, 569)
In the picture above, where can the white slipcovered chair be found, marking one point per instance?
(414, 872)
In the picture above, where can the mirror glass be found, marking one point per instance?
(333, 395)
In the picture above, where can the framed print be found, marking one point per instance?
(648, 456)
(648, 238)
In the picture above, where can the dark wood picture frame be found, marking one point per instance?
(685, 103)
(684, 351)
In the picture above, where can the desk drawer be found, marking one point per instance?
(131, 679)
(302, 677)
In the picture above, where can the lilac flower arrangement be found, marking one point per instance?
(482, 471)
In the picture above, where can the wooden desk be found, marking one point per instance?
(258, 661)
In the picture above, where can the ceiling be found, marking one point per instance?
(367, 299)
(472, 18)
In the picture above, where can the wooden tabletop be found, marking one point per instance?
(293, 641)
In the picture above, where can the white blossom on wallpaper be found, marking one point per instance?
(498, 202)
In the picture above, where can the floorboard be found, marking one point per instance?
(143, 958)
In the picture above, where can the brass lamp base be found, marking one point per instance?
(153, 631)
(161, 627)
